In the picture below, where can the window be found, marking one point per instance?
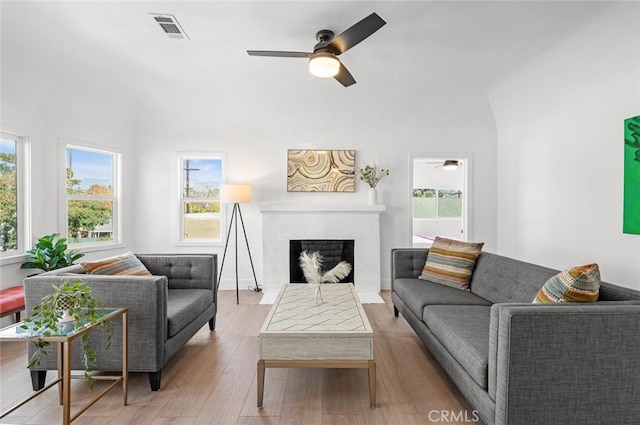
(92, 190)
(201, 218)
(447, 203)
(14, 218)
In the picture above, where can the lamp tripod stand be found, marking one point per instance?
(234, 223)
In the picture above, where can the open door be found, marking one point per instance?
(439, 193)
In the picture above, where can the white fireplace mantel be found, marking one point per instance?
(284, 222)
(301, 208)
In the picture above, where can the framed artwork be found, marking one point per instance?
(321, 170)
(631, 214)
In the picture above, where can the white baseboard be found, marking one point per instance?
(365, 297)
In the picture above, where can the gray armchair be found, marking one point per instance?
(165, 311)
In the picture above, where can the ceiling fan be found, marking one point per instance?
(449, 165)
(324, 62)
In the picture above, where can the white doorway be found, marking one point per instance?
(439, 197)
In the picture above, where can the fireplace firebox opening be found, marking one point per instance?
(332, 250)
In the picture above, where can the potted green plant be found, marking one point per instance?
(51, 254)
(69, 306)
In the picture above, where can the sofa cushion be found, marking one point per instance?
(464, 332)
(577, 284)
(506, 280)
(451, 262)
(11, 299)
(419, 293)
(184, 271)
(184, 305)
(611, 292)
(124, 264)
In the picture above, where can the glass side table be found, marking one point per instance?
(63, 341)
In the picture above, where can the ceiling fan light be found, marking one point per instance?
(450, 165)
(324, 65)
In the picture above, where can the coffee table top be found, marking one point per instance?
(296, 312)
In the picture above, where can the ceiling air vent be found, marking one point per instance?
(170, 26)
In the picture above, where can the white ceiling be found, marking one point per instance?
(433, 48)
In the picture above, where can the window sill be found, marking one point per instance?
(97, 247)
(12, 259)
(198, 243)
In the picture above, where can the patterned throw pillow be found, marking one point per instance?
(451, 262)
(578, 284)
(125, 264)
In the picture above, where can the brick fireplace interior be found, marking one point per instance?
(332, 251)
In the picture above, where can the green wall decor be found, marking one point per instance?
(631, 215)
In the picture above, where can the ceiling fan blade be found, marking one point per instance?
(344, 76)
(356, 33)
(278, 54)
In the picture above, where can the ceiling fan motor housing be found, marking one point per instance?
(324, 37)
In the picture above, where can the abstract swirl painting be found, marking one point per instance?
(631, 215)
(321, 170)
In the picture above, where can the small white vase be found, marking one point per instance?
(373, 196)
(318, 294)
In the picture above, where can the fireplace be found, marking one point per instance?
(360, 223)
(332, 250)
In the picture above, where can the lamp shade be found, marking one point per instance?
(324, 65)
(235, 193)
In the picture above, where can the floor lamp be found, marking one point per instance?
(237, 194)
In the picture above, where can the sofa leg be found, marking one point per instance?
(395, 311)
(212, 323)
(37, 379)
(154, 380)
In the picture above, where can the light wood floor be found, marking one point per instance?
(212, 380)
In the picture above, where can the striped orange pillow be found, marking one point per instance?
(451, 262)
(125, 264)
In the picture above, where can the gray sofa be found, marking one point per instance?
(521, 363)
(165, 311)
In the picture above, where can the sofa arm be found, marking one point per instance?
(407, 262)
(565, 363)
(146, 298)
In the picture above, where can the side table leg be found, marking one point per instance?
(260, 381)
(125, 355)
(66, 383)
(60, 371)
(372, 383)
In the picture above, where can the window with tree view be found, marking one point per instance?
(10, 219)
(437, 203)
(200, 216)
(92, 195)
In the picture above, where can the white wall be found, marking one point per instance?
(383, 126)
(48, 110)
(560, 149)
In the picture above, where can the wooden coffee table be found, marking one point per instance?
(300, 333)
